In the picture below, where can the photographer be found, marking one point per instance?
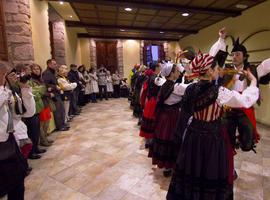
(32, 122)
(102, 83)
(13, 166)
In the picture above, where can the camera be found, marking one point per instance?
(22, 77)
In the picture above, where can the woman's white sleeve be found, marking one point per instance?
(236, 100)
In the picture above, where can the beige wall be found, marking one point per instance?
(72, 47)
(40, 34)
(173, 48)
(131, 55)
(252, 20)
(85, 51)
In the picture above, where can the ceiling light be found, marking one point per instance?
(241, 6)
(70, 16)
(185, 14)
(122, 30)
(161, 32)
(128, 9)
(61, 2)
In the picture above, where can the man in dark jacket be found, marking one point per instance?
(73, 77)
(49, 78)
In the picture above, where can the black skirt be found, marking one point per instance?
(201, 171)
(163, 151)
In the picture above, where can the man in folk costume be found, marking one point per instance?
(242, 119)
(149, 119)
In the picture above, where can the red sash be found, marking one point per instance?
(251, 116)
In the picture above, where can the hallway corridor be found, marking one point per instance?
(102, 158)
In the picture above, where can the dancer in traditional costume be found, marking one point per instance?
(137, 108)
(154, 83)
(202, 165)
(164, 151)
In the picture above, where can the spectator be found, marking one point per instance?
(13, 170)
(116, 84)
(66, 87)
(93, 85)
(109, 84)
(49, 78)
(41, 97)
(32, 122)
(81, 98)
(73, 77)
(102, 83)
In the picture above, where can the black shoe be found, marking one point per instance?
(40, 151)
(167, 172)
(64, 129)
(34, 156)
(67, 125)
(28, 171)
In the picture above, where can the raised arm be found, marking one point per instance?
(220, 44)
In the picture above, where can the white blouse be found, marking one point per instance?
(176, 95)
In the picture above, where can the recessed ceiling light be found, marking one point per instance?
(61, 2)
(185, 14)
(241, 6)
(161, 32)
(70, 16)
(128, 9)
(122, 30)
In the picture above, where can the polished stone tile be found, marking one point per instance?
(102, 157)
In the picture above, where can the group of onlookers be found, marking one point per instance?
(33, 103)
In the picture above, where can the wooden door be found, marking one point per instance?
(107, 55)
(3, 41)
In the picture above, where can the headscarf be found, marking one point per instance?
(201, 63)
(166, 68)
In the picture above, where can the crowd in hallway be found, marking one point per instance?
(188, 111)
(35, 102)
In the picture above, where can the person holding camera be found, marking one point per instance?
(49, 78)
(32, 122)
(102, 83)
(13, 132)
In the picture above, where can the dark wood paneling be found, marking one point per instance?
(107, 55)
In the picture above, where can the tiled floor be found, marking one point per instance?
(102, 158)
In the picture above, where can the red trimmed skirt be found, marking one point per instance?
(149, 119)
(164, 149)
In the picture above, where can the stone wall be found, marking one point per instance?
(18, 31)
(120, 63)
(58, 28)
(93, 56)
